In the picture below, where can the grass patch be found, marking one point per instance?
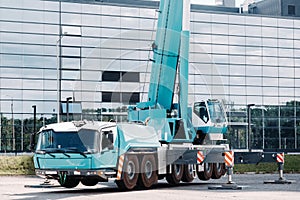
(291, 165)
(23, 165)
(16, 165)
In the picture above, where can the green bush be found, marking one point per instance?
(16, 165)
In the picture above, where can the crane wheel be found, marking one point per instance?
(218, 170)
(188, 174)
(148, 175)
(130, 173)
(89, 182)
(69, 182)
(176, 174)
(207, 173)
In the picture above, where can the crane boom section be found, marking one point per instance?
(166, 53)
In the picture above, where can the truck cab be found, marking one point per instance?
(209, 119)
(71, 152)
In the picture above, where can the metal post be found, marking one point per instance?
(0, 131)
(67, 107)
(229, 173)
(22, 135)
(263, 131)
(280, 169)
(59, 64)
(58, 71)
(13, 124)
(279, 128)
(249, 125)
(34, 118)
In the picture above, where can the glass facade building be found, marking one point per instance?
(99, 52)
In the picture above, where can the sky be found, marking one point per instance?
(212, 2)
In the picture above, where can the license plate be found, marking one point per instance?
(51, 172)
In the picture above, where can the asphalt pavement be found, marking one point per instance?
(253, 187)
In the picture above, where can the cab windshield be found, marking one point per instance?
(84, 141)
(216, 112)
(201, 111)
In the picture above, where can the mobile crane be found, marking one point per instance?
(162, 139)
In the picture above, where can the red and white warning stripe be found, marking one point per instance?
(229, 158)
(200, 157)
(280, 157)
(120, 167)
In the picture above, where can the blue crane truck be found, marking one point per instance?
(161, 139)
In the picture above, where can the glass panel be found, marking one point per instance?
(253, 41)
(270, 71)
(254, 70)
(270, 82)
(237, 40)
(201, 16)
(237, 70)
(285, 43)
(285, 23)
(198, 27)
(285, 52)
(236, 30)
(219, 39)
(253, 51)
(236, 50)
(269, 51)
(237, 59)
(296, 33)
(70, 75)
(251, 20)
(219, 18)
(70, 63)
(109, 21)
(220, 28)
(219, 49)
(110, 9)
(285, 62)
(111, 97)
(130, 76)
(253, 60)
(269, 42)
(270, 61)
(285, 33)
(269, 32)
(254, 81)
(253, 31)
(254, 91)
(220, 59)
(71, 19)
(269, 21)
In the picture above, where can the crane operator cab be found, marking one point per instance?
(209, 120)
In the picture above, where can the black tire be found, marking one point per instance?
(69, 182)
(89, 182)
(176, 174)
(148, 175)
(207, 173)
(218, 170)
(130, 173)
(188, 175)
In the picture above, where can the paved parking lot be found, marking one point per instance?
(12, 187)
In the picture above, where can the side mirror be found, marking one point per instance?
(32, 142)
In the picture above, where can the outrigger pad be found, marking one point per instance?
(227, 186)
(279, 181)
(45, 184)
(41, 186)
